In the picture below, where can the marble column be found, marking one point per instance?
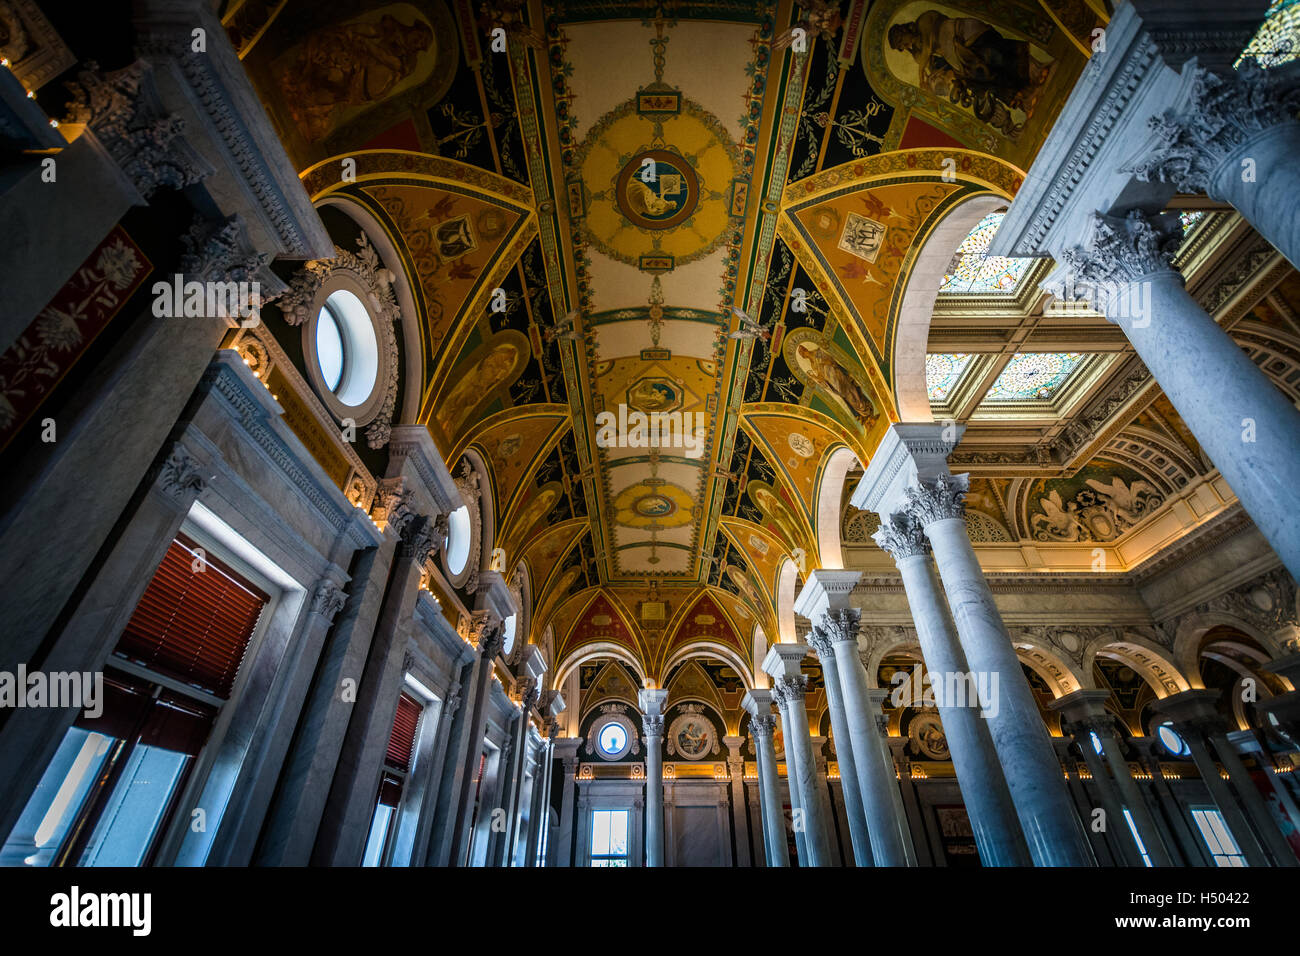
(486, 632)
(1246, 425)
(1235, 138)
(652, 701)
(1085, 709)
(1116, 825)
(983, 787)
(1265, 824)
(560, 853)
(877, 782)
(736, 771)
(541, 804)
(1033, 774)
(762, 723)
(859, 834)
(1193, 715)
(789, 685)
(527, 697)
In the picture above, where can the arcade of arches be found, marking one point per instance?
(668, 433)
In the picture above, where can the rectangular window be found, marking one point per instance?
(1214, 831)
(110, 791)
(609, 838)
(397, 763)
(1142, 847)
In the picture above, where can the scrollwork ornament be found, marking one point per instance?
(181, 476)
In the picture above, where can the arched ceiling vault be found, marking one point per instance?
(586, 214)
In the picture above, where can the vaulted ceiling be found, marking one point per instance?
(585, 192)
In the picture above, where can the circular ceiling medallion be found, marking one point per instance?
(654, 506)
(657, 189)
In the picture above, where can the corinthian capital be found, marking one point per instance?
(938, 500)
(901, 537)
(790, 689)
(418, 539)
(1122, 251)
(486, 632)
(820, 642)
(527, 692)
(653, 725)
(842, 624)
(1221, 114)
(762, 725)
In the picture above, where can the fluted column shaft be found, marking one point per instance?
(1247, 426)
(1052, 829)
(789, 692)
(983, 787)
(876, 779)
(653, 726)
(769, 792)
(854, 808)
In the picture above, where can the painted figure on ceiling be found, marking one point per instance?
(349, 65)
(475, 386)
(971, 64)
(830, 375)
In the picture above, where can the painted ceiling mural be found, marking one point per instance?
(676, 208)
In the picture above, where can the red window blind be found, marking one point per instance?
(194, 625)
(402, 740)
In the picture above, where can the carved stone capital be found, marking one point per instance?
(1122, 251)
(486, 632)
(218, 250)
(418, 539)
(552, 729)
(762, 726)
(790, 689)
(1222, 113)
(328, 599)
(820, 641)
(842, 624)
(937, 500)
(124, 111)
(393, 504)
(527, 692)
(901, 537)
(181, 476)
(652, 725)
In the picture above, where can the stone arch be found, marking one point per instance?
(1192, 628)
(1062, 676)
(589, 652)
(830, 507)
(916, 306)
(1145, 657)
(895, 641)
(707, 649)
(786, 583)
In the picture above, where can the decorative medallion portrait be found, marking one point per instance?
(657, 190)
(692, 735)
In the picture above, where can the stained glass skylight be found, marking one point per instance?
(943, 370)
(972, 270)
(1190, 219)
(1034, 376)
(1278, 38)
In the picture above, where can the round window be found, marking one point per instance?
(347, 351)
(459, 534)
(1172, 741)
(612, 739)
(508, 636)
